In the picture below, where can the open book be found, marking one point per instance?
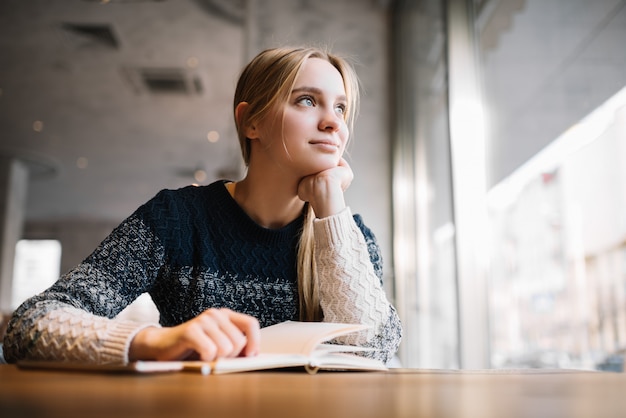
(286, 345)
(298, 344)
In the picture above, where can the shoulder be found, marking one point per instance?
(189, 193)
(185, 198)
(176, 216)
(176, 212)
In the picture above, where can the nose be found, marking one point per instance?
(330, 120)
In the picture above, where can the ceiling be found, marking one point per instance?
(123, 97)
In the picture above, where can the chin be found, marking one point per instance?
(316, 168)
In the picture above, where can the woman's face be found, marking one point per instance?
(308, 134)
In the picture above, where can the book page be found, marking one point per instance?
(302, 337)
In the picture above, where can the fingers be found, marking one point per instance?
(320, 183)
(325, 190)
(347, 174)
(214, 333)
(223, 333)
(226, 339)
(251, 329)
(198, 341)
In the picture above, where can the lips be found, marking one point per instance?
(324, 142)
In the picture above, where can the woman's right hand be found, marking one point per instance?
(212, 334)
(324, 190)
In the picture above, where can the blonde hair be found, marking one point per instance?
(267, 82)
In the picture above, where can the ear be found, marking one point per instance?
(240, 112)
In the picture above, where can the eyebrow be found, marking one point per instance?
(315, 90)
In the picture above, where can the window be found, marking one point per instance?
(36, 267)
(553, 76)
(558, 282)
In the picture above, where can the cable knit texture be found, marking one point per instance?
(350, 290)
(192, 249)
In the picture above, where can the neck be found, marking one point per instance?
(271, 201)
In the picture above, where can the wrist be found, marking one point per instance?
(328, 200)
(140, 347)
(328, 209)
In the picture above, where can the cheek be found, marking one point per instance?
(296, 130)
(344, 135)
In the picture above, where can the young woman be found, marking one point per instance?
(223, 260)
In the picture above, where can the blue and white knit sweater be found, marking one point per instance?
(192, 249)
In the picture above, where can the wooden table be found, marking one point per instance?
(399, 393)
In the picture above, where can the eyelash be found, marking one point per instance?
(300, 99)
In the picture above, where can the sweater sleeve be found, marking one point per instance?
(349, 270)
(74, 320)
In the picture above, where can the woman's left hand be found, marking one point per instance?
(324, 190)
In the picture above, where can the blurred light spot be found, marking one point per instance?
(213, 136)
(199, 175)
(37, 126)
(82, 163)
(192, 62)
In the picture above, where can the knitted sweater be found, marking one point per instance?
(192, 249)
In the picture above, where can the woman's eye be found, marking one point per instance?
(306, 101)
(341, 108)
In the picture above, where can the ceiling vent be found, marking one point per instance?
(163, 81)
(89, 36)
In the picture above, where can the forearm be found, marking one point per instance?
(68, 334)
(350, 290)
